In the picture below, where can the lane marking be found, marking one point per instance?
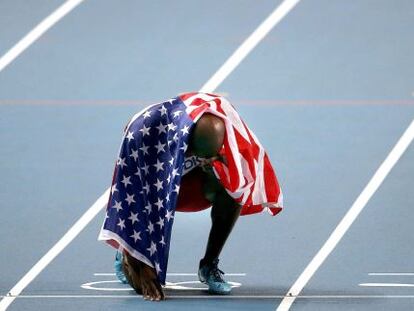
(210, 86)
(386, 285)
(69, 236)
(37, 32)
(91, 285)
(248, 45)
(391, 273)
(183, 286)
(349, 218)
(223, 297)
(194, 284)
(175, 274)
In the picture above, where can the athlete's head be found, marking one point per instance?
(207, 136)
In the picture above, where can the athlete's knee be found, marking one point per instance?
(211, 185)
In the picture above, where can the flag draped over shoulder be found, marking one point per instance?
(148, 172)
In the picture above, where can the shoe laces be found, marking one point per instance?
(216, 272)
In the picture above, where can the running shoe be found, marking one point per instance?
(118, 268)
(211, 275)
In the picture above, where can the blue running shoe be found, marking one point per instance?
(118, 268)
(211, 275)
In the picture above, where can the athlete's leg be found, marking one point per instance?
(224, 214)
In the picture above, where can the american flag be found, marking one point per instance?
(148, 171)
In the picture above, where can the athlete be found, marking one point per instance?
(208, 161)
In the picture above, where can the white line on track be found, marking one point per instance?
(249, 44)
(392, 273)
(386, 285)
(174, 274)
(223, 297)
(281, 11)
(349, 218)
(37, 32)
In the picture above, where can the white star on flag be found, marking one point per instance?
(177, 113)
(133, 217)
(177, 188)
(162, 242)
(184, 147)
(185, 129)
(159, 165)
(147, 114)
(147, 188)
(171, 161)
(145, 169)
(161, 128)
(130, 199)
(145, 131)
(144, 149)
(174, 172)
(159, 203)
(130, 136)
(117, 206)
(160, 147)
(158, 184)
(136, 236)
(161, 223)
(157, 267)
(171, 126)
(121, 162)
(150, 227)
(134, 154)
(152, 249)
(163, 110)
(175, 138)
(113, 189)
(169, 215)
(148, 208)
(138, 173)
(126, 181)
(121, 224)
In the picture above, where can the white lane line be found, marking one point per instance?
(248, 45)
(55, 250)
(36, 32)
(392, 273)
(386, 284)
(223, 297)
(195, 274)
(350, 217)
(174, 274)
(275, 17)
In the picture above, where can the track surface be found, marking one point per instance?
(328, 92)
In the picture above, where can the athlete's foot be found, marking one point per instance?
(142, 278)
(151, 288)
(210, 274)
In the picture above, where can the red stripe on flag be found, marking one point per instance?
(185, 96)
